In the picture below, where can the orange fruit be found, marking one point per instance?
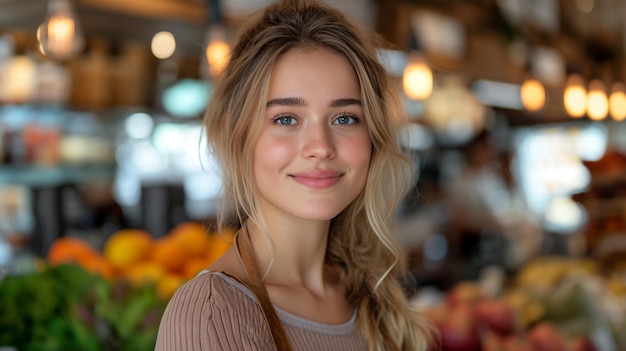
(169, 253)
(192, 237)
(167, 286)
(146, 272)
(194, 266)
(220, 243)
(127, 246)
(98, 265)
(69, 249)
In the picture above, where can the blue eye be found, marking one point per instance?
(285, 120)
(346, 119)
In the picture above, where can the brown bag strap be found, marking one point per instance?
(254, 284)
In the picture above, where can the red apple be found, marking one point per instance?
(492, 341)
(517, 342)
(581, 343)
(464, 292)
(546, 337)
(496, 315)
(459, 331)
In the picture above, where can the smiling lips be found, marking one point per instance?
(317, 179)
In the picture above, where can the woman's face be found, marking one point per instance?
(313, 152)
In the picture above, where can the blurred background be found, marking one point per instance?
(516, 110)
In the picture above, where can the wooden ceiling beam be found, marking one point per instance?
(187, 11)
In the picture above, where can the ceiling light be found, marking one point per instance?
(60, 35)
(575, 97)
(533, 95)
(597, 101)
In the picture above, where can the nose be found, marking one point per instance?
(318, 142)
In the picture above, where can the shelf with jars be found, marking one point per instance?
(49, 146)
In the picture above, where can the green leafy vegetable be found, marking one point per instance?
(67, 308)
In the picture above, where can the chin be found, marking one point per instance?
(317, 213)
(317, 217)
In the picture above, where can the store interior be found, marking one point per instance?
(516, 133)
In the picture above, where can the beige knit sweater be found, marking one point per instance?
(215, 312)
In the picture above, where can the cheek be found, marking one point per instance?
(360, 152)
(272, 153)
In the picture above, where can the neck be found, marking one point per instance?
(298, 255)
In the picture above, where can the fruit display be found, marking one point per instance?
(603, 200)
(551, 304)
(111, 298)
(134, 255)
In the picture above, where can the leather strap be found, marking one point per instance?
(254, 283)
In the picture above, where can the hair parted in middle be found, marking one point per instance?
(360, 241)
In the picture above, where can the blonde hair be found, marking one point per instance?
(360, 241)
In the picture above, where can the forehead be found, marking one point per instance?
(314, 72)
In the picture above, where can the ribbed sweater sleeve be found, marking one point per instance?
(207, 314)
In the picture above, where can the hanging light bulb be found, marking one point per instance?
(417, 79)
(163, 45)
(575, 97)
(533, 95)
(597, 102)
(617, 102)
(217, 51)
(60, 35)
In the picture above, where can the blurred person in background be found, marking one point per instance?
(303, 124)
(491, 223)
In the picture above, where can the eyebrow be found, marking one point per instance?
(298, 101)
(290, 101)
(345, 102)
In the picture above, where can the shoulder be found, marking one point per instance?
(205, 295)
(202, 292)
(209, 312)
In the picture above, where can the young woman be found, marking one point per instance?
(303, 123)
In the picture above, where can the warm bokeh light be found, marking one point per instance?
(217, 55)
(617, 102)
(597, 101)
(533, 95)
(19, 80)
(59, 35)
(417, 79)
(163, 45)
(575, 97)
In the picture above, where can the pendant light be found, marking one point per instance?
(60, 35)
(217, 50)
(617, 102)
(597, 101)
(533, 95)
(575, 96)
(163, 45)
(417, 79)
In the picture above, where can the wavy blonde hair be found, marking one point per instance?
(360, 241)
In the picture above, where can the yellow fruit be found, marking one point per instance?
(145, 273)
(167, 286)
(192, 237)
(127, 246)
